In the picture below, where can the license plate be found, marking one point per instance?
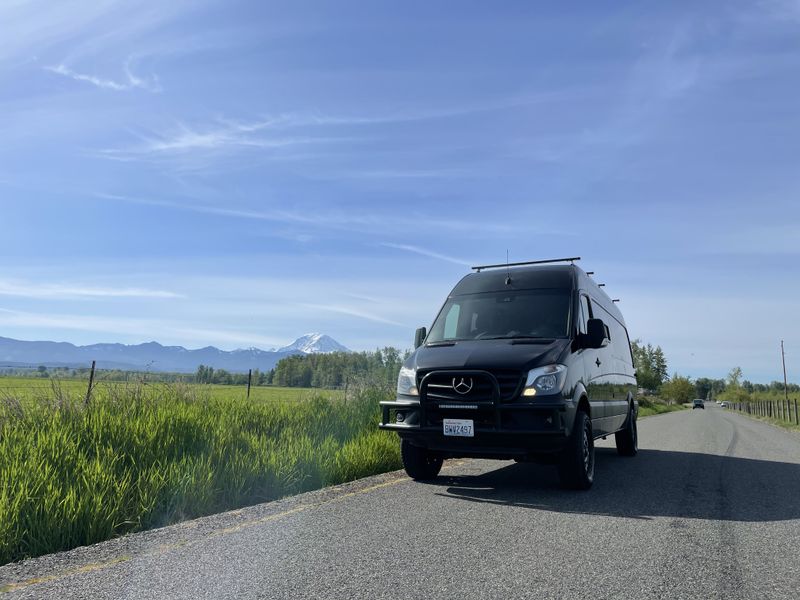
(459, 427)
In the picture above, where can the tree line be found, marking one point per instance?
(332, 371)
(653, 379)
(340, 369)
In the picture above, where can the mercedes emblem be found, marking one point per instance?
(463, 385)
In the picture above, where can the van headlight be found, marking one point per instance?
(545, 380)
(407, 382)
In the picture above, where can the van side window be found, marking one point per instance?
(629, 354)
(585, 314)
(451, 322)
(620, 345)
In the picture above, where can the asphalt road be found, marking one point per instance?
(710, 508)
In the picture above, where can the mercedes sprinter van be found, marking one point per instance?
(529, 361)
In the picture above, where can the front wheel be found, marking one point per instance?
(419, 463)
(576, 467)
(627, 438)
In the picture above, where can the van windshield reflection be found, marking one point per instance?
(519, 314)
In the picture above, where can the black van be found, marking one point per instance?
(529, 361)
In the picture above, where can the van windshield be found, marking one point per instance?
(540, 313)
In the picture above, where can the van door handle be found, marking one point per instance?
(598, 363)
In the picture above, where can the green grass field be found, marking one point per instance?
(143, 456)
(42, 388)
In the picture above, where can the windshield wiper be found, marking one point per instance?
(514, 337)
(523, 339)
(532, 340)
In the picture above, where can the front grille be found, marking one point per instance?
(510, 383)
(439, 386)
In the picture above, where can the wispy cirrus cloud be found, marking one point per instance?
(428, 253)
(232, 134)
(342, 220)
(69, 291)
(355, 312)
(193, 146)
(131, 81)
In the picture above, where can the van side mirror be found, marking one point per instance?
(595, 334)
(419, 337)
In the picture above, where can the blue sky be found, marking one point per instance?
(240, 173)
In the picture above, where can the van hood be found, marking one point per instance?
(488, 354)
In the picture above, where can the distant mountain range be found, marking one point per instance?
(155, 357)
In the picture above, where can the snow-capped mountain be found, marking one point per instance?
(314, 343)
(153, 356)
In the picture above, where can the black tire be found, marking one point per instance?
(576, 466)
(627, 438)
(420, 464)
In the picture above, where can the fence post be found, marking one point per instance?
(796, 416)
(249, 381)
(91, 382)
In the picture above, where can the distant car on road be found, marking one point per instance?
(698, 403)
(724, 405)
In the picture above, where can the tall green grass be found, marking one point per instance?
(651, 405)
(139, 457)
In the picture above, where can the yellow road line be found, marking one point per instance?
(92, 567)
(88, 568)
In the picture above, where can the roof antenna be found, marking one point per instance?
(508, 271)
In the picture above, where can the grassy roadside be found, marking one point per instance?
(649, 406)
(770, 421)
(140, 457)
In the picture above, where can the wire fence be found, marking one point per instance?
(785, 410)
(86, 380)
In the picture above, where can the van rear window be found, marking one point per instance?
(542, 313)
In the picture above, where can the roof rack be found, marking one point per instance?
(530, 262)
